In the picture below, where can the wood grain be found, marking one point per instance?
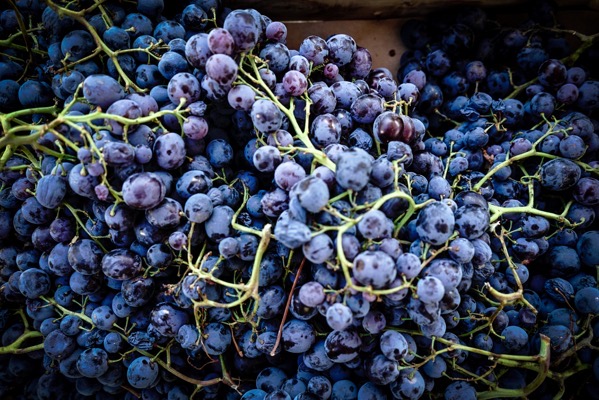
(372, 9)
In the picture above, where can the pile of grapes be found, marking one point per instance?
(189, 209)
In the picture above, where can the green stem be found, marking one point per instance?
(543, 360)
(79, 16)
(302, 135)
(15, 347)
(250, 289)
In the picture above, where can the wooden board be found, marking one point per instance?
(374, 9)
(381, 37)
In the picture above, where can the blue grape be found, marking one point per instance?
(142, 372)
(244, 28)
(435, 223)
(374, 268)
(102, 90)
(471, 221)
(298, 336)
(144, 190)
(266, 116)
(460, 390)
(169, 150)
(34, 283)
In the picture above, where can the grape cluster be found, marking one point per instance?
(189, 209)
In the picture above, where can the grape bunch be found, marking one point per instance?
(190, 209)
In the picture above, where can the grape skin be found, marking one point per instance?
(181, 231)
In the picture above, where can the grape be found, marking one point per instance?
(143, 191)
(471, 221)
(341, 49)
(137, 291)
(298, 336)
(220, 41)
(460, 390)
(222, 68)
(218, 226)
(552, 73)
(408, 265)
(118, 154)
(374, 224)
(241, 97)
(586, 191)
(167, 320)
(374, 268)
(244, 29)
(319, 249)
(183, 86)
(101, 90)
(51, 190)
(121, 264)
(295, 83)
(311, 294)
(168, 30)
(198, 208)
(254, 394)
(266, 158)
(315, 49)
(194, 17)
(272, 302)
(558, 289)
(339, 316)
(266, 116)
(92, 362)
(34, 283)
(410, 384)
(567, 94)
(85, 256)
(588, 95)
(514, 338)
(393, 345)
(585, 300)
(435, 223)
(142, 372)
(572, 147)
(274, 203)
(325, 130)
(312, 193)
(559, 335)
(197, 50)
(277, 56)
(353, 169)
(430, 289)
(58, 346)
(435, 368)
(366, 108)
(380, 370)
(81, 183)
(287, 174)
(265, 343)
(339, 347)
(169, 150)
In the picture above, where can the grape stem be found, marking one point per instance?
(301, 134)
(539, 362)
(15, 347)
(165, 365)
(79, 16)
(587, 42)
(293, 285)
(250, 289)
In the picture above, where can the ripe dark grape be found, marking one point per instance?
(194, 189)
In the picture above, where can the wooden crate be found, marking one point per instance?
(302, 10)
(375, 24)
